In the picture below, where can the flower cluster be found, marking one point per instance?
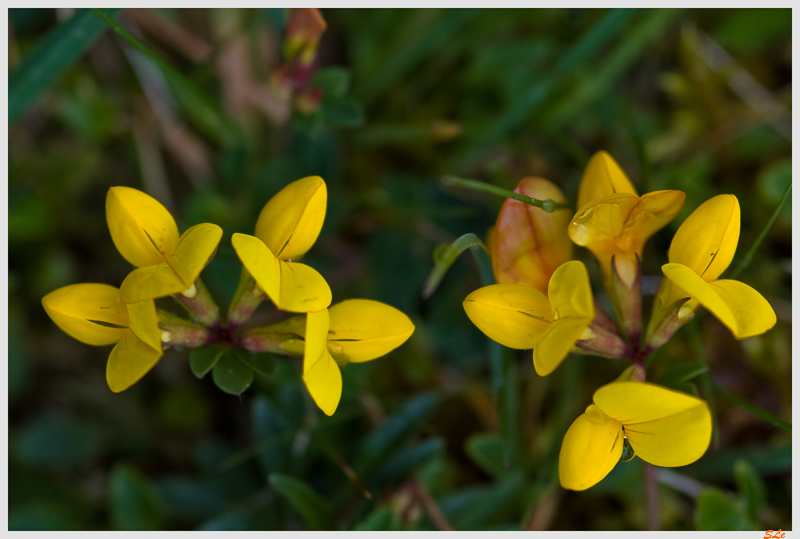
(169, 264)
(543, 301)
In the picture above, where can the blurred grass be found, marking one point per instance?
(410, 95)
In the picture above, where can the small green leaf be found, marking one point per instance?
(716, 512)
(751, 488)
(487, 451)
(203, 359)
(316, 512)
(346, 112)
(381, 519)
(231, 375)
(333, 81)
(443, 256)
(134, 503)
(262, 363)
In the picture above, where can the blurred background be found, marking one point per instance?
(214, 111)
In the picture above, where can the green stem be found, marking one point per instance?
(547, 205)
(752, 408)
(750, 252)
(705, 380)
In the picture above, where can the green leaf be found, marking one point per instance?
(44, 515)
(678, 376)
(403, 461)
(273, 434)
(231, 375)
(488, 452)
(53, 55)
(203, 359)
(443, 256)
(751, 488)
(752, 408)
(346, 112)
(201, 110)
(262, 363)
(333, 81)
(716, 512)
(134, 503)
(315, 511)
(189, 499)
(54, 440)
(381, 519)
(399, 425)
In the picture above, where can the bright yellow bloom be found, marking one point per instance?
(93, 314)
(286, 228)
(613, 221)
(527, 244)
(356, 330)
(663, 427)
(703, 247)
(146, 235)
(519, 316)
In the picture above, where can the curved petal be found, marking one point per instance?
(591, 448)
(76, 309)
(130, 359)
(259, 261)
(363, 329)
(144, 323)
(709, 296)
(557, 343)
(291, 221)
(195, 248)
(150, 282)
(753, 314)
(143, 231)
(622, 223)
(707, 239)
(515, 315)
(303, 289)
(602, 177)
(320, 372)
(527, 243)
(570, 292)
(664, 427)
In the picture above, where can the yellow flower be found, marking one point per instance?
(703, 247)
(613, 221)
(527, 244)
(93, 314)
(520, 316)
(286, 228)
(353, 331)
(663, 427)
(146, 235)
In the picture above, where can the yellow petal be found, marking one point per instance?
(144, 322)
(303, 289)
(743, 310)
(130, 359)
(362, 329)
(557, 342)
(527, 243)
(707, 239)
(663, 426)
(320, 372)
(259, 261)
(194, 250)
(753, 314)
(602, 177)
(291, 221)
(291, 286)
(142, 229)
(570, 292)
(622, 223)
(591, 448)
(76, 309)
(150, 282)
(515, 315)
